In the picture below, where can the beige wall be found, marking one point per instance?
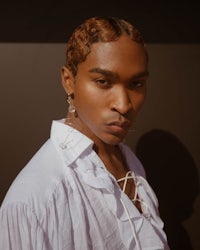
(31, 96)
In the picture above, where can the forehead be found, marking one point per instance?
(120, 55)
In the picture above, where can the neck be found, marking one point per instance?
(113, 159)
(111, 155)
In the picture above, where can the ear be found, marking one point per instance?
(67, 80)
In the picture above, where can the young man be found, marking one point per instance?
(85, 189)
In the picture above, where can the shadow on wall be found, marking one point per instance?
(173, 175)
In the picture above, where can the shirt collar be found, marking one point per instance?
(71, 144)
(69, 141)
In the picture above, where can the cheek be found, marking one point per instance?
(138, 101)
(81, 95)
(87, 101)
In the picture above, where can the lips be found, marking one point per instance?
(118, 127)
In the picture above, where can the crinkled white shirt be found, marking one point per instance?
(66, 199)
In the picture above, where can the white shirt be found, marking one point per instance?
(66, 199)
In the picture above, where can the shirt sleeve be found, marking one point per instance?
(20, 229)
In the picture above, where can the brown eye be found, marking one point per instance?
(103, 83)
(136, 84)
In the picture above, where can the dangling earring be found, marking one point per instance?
(71, 107)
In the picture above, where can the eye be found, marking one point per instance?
(103, 82)
(137, 84)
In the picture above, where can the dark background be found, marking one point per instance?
(53, 20)
(32, 44)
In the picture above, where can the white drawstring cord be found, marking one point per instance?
(125, 179)
(130, 175)
(132, 227)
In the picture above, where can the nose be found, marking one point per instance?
(120, 100)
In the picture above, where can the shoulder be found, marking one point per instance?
(38, 180)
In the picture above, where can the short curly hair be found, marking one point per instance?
(93, 30)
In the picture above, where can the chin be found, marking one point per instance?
(113, 141)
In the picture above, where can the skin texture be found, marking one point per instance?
(108, 91)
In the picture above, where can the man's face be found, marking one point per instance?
(109, 89)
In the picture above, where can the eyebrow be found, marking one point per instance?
(141, 74)
(104, 72)
(114, 75)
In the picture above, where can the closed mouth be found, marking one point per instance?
(124, 124)
(117, 126)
